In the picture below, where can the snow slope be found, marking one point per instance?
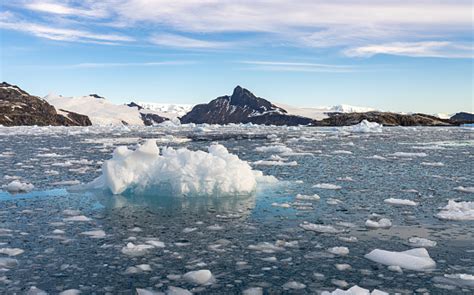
(99, 110)
(319, 113)
(167, 110)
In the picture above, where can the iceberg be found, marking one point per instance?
(457, 211)
(414, 259)
(180, 171)
(364, 127)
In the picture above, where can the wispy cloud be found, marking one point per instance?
(283, 66)
(8, 21)
(350, 26)
(442, 49)
(178, 41)
(62, 9)
(130, 64)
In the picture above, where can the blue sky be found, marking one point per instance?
(392, 55)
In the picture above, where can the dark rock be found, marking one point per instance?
(384, 118)
(242, 107)
(96, 96)
(150, 119)
(17, 107)
(133, 104)
(463, 118)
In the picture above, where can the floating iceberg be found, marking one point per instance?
(180, 171)
(457, 211)
(18, 187)
(355, 290)
(364, 127)
(414, 259)
(394, 201)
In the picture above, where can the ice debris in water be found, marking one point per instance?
(281, 149)
(381, 223)
(408, 155)
(11, 251)
(17, 186)
(364, 127)
(469, 189)
(319, 228)
(314, 197)
(421, 242)
(199, 277)
(394, 201)
(253, 291)
(460, 279)
(294, 285)
(182, 170)
(339, 250)
(457, 211)
(355, 290)
(414, 259)
(327, 186)
(136, 250)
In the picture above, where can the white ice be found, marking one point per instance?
(339, 250)
(421, 242)
(355, 290)
(319, 228)
(394, 201)
(181, 170)
(314, 197)
(468, 189)
(327, 186)
(17, 186)
(415, 259)
(457, 211)
(381, 223)
(199, 277)
(364, 127)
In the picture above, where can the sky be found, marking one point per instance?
(393, 55)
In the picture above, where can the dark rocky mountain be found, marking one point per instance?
(463, 118)
(149, 118)
(242, 107)
(384, 118)
(17, 107)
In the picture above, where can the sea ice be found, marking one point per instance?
(182, 170)
(11, 251)
(314, 197)
(469, 189)
(7, 263)
(70, 292)
(136, 250)
(394, 201)
(355, 290)
(414, 259)
(339, 250)
(80, 218)
(408, 155)
(327, 186)
(460, 280)
(382, 223)
(281, 149)
(253, 291)
(17, 186)
(319, 228)
(199, 277)
(364, 127)
(457, 211)
(421, 242)
(294, 285)
(95, 234)
(176, 291)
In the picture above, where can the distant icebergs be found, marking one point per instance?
(364, 127)
(17, 186)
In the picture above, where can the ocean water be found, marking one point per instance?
(245, 241)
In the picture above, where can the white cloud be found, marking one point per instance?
(62, 34)
(284, 66)
(62, 9)
(442, 49)
(177, 41)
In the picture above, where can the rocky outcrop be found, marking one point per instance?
(17, 107)
(242, 107)
(463, 118)
(149, 117)
(384, 118)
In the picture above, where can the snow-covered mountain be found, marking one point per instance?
(167, 110)
(99, 110)
(320, 113)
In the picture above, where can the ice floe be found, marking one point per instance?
(199, 277)
(355, 290)
(136, 250)
(364, 127)
(414, 259)
(381, 223)
(319, 228)
(327, 186)
(280, 149)
(421, 242)
(394, 201)
(11, 251)
(183, 171)
(468, 189)
(293, 285)
(408, 155)
(339, 250)
(459, 279)
(457, 211)
(95, 234)
(314, 197)
(17, 186)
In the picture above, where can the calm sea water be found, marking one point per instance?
(227, 234)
